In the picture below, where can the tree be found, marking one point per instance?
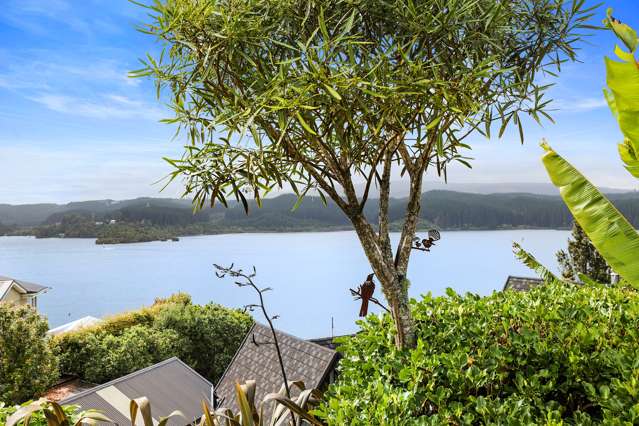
(322, 95)
(582, 258)
(27, 365)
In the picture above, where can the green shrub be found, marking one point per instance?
(37, 418)
(106, 356)
(204, 336)
(27, 365)
(554, 354)
(211, 334)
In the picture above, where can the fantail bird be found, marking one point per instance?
(366, 291)
(426, 243)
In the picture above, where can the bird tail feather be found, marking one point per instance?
(364, 310)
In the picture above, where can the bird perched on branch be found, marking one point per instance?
(366, 291)
(426, 243)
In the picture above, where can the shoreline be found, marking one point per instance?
(293, 231)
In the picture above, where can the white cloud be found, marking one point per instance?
(579, 104)
(106, 107)
(99, 88)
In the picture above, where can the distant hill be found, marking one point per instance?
(36, 214)
(400, 189)
(441, 209)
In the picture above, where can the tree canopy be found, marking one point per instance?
(325, 87)
(582, 258)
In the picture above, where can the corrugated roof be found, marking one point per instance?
(78, 324)
(26, 285)
(303, 360)
(169, 385)
(522, 283)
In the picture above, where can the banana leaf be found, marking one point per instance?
(622, 78)
(610, 232)
(529, 260)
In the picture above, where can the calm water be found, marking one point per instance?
(310, 272)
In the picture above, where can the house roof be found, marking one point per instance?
(521, 283)
(83, 322)
(169, 385)
(24, 286)
(303, 360)
(329, 342)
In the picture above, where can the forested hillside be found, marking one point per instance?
(147, 219)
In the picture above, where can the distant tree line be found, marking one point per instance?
(146, 221)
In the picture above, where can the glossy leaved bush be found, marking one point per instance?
(27, 366)
(203, 336)
(559, 353)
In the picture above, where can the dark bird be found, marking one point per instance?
(433, 235)
(366, 291)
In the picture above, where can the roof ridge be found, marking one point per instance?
(324, 348)
(204, 379)
(306, 348)
(524, 278)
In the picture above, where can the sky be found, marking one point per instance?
(74, 126)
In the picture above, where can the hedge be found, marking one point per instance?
(203, 336)
(556, 354)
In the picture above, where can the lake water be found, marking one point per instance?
(309, 272)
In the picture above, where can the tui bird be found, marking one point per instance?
(366, 292)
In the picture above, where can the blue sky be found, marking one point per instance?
(73, 126)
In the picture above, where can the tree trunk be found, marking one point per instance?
(393, 282)
(402, 317)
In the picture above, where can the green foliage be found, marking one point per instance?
(557, 353)
(274, 409)
(77, 226)
(282, 411)
(211, 334)
(622, 78)
(582, 258)
(37, 418)
(529, 260)
(608, 230)
(132, 233)
(72, 225)
(441, 209)
(108, 356)
(27, 365)
(204, 336)
(323, 88)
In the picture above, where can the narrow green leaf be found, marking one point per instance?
(333, 92)
(304, 124)
(529, 260)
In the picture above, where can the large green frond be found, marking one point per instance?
(610, 232)
(622, 78)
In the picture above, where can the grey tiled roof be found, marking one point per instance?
(29, 287)
(329, 342)
(522, 283)
(169, 385)
(303, 360)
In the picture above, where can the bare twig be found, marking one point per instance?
(246, 280)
